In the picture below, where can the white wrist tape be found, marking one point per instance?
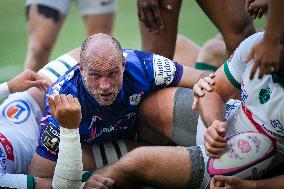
(4, 90)
(69, 164)
(13, 181)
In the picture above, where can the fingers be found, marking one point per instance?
(197, 90)
(195, 103)
(99, 182)
(41, 84)
(221, 128)
(51, 104)
(214, 140)
(165, 6)
(206, 83)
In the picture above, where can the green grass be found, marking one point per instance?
(13, 31)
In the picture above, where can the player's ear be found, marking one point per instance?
(80, 66)
(123, 62)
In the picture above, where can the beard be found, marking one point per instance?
(104, 97)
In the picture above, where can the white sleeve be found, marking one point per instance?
(234, 67)
(19, 181)
(4, 90)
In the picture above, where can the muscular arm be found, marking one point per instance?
(191, 76)
(235, 183)
(212, 104)
(275, 27)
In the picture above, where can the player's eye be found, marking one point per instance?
(112, 74)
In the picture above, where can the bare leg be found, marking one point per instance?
(230, 18)
(99, 23)
(162, 167)
(42, 36)
(164, 42)
(213, 52)
(186, 51)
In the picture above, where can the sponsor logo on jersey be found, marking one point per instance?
(17, 111)
(7, 147)
(69, 76)
(276, 124)
(164, 70)
(95, 118)
(264, 95)
(130, 115)
(2, 160)
(51, 137)
(134, 99)
(56, 87)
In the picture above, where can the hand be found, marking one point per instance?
(229, 182)
(66, 110)
(266, 55)
(214, 140)
(256, 8)
(26, 80)
(149, 13)
(204, 83)
(99, 182)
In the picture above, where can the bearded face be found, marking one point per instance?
(105, 85)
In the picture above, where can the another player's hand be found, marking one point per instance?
(266, 55)
(26, 80)
(149, 13)
(99, 182)
(229, 182)
(66, 109)
(214, 140)
(256, 8)
(204, 83)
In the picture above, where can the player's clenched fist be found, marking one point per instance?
(214, 140)
(66, 109)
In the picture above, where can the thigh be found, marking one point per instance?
(164, 42)
(99, 23)
(44, 23)
(98, 15)
(230, 18)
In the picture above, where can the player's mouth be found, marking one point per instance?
(106, 95)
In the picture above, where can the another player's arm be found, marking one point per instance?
(212, 104)
(234, 182)
(191, 76)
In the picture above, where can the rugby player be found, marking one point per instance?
(109, 83)
(45, 19)
(20, 119)
(260, 110)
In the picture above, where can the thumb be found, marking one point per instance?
(166, 6)
(51, 104)
(195, 103)
(249, 55)
(222, 129)
(37, 83)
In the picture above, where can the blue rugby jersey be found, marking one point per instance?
(144, 72)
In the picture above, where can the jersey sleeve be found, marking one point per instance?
(234, 67)
(49, 139)
(165, 71)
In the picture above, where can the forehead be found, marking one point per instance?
(102, 58)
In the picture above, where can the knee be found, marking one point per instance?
(40, 47)
(213, 52)
(134, 163)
